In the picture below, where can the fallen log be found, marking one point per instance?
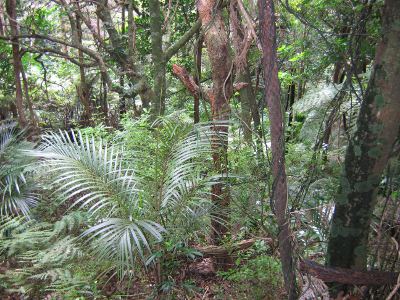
(226, 251)
(347, 276)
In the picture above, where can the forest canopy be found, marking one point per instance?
(200, 149)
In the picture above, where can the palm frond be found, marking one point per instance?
(16, 195)
(94, 176)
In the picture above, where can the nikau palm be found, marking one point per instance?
(16, 195)
(127, 218)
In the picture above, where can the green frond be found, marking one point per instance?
(16, 194)
(70, 222)
(94, 176)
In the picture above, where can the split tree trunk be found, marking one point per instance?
(216, 41)
(272, 95)
(369, 150)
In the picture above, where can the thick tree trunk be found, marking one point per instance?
(369, 150)
(247, 96)
(216, 41)
(12, 14)
(272, 95)
(157, 55)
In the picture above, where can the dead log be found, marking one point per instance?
(226, 251)
(347, 276)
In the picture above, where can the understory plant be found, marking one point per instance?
(138, 197)
(17, 194)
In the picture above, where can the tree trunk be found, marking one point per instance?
(83, 89)
(216, 41)
(32, 115)
(369, 150)
(157, 55)
(241, 45)
(198, 50)
(119, 54)
(272, 96)
(122, 97)
(12, 13)
(2, 20)
(246, 94)
(104, 101)
(13, 109)
(291, 96)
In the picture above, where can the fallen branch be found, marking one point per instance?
(347, 276)
(224, 251)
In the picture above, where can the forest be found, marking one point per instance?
(208, 149)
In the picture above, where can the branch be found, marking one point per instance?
(347, 276)
(221, 251)
(239, 85)
(187, 79)
(173, 49)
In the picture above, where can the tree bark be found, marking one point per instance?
(158, 59)
(32, 115)
(2, 20)
(246, 94)
(122, 97)
(347, 276)
(83, 88)
(17, 64)
(198, 50)
(118, 52)
(104, 101)
(241, 45)
(272, 97)
(368, 151)
(216, 41)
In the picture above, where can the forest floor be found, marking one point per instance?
(196, 280)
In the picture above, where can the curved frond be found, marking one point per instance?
(121, 239)
(89, 172)
(16, 195)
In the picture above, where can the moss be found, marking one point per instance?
(379, 101)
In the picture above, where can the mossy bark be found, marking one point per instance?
(158, 59)
(19, 102)
(368, 151)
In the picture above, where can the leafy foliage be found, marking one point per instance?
(129, 212)
(16, 193)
